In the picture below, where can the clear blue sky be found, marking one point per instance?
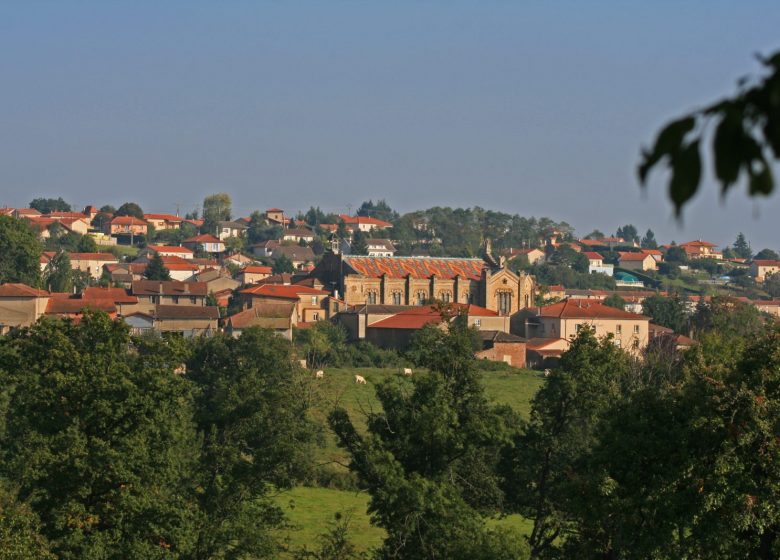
(536, 107)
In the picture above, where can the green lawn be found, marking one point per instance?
(310, 510)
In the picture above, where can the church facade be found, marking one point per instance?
(421, 280)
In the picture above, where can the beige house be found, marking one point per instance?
(564, 320)
(636, 261)
(297, 235)
(253, 273)
(126, 225)
(275, 216)
(20, 305)
(187, 321)
(760, 269)
(699, 249)
(280, 317)
(533, 255)
(364, 223)
(311, 304)
(380, 248)
(169, 251)
(163, 221)
(151, 293)
(91, 263)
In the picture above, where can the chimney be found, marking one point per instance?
(186, 288)
(160, 287)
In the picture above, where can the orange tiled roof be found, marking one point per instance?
(633, 256)
(127, 221)
(21, 290)
(293, 291)
(204, 238)
(417, 267)
(169, 249)
(585, 309)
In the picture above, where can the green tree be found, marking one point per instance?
(342, 232)
(20, 537)
(359, 245)
(595, 234)
(86, 244)
(216, 208)
(543, 466)
(429, 459)
(98, 438)
(629, 233)
(58, 274)
(381, 211)
(727, 316)
(235, 245)
(614, 300)
(741, 247)
(676, 254)
(156, 269)
(251, 409)
(767, 254)
(772, 285)
(130, 209)
(283, 265)
(670, 312)
(746, 138)
(648, 241)
(20, 253)
(49, 205)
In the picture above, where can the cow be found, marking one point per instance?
(319, 375)
(360, 380)
(408, 372)
(547, 373)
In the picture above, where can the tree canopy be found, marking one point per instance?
(49, 205)
(20, 252)
(130, 209)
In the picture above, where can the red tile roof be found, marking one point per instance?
(127, 221)
(630, 256)
(73, 306)
(186, 312)
(417, 267)
(203, 238)
(21, 290)
(293, 291)
(92, 257)
(697, 243)
(252, 269)
(117, 295)
(169, 249)
(356, 220)
(169, 288)
(166, 217)
(593, 256)
(585, 309)
(763, 262)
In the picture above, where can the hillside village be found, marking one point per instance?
(527, 285)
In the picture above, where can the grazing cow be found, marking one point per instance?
(360, 380)
(408, 372)
(302, 363)
(319, 375)
(547, 373)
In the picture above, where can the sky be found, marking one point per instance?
(532, 107)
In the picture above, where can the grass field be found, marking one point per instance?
(310, 510)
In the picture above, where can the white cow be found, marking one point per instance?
(319, 375)
(547, 373)
(360, 380)
(408, 372)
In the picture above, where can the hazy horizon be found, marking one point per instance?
(537, 108)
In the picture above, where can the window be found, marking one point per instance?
(618, 342)
(577, 327)
(193, 300)
(371, 298)
(445, 296)
(175, 299)
(619, 329)
(396, 298)
(315, 317)
(477, 322)
(155, 299)
(420, 298)
(636, 329)
(314, 300)
(504, 302)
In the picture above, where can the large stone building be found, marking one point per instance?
(419, 280)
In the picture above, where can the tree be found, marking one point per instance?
(741, 247)
(595, 234)
(745, 140)
(251, 409)
(20, 253)
(542, 468)
(216, 208)
(729, 317)
(20, 537)
(429, 459)
(341, 231)
(676, 254)
(564, 255)
(58, 274)
(772, 285)
(381, 211)
(648, 241)
(156, 269)
(98, 438)
(49, 205)
(359, 245)
(130, 209)
(669, 312)
(283, 265)
(235, 245)
(614, 300)
(767, 254)
(629, 233)
(86, 244)
(107, 209)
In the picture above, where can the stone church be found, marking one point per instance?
(419, 280)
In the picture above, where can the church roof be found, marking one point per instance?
(417, 267)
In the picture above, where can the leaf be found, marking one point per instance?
(667, 144)
(762, 182)
(727, 150)
(686, 174)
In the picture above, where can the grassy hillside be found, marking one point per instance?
(310, 510)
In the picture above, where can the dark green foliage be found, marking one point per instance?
(614, 300)
(648, 241)
(741, 247)
(564, 255)
(58, 274)
(358, 245)
(325, 344)
(98, 440)
(259, 229)
(728, 317)
(156, 270)
(49, 205)
(381, 211)
(767, 254)
(595, 234)
(551, 275)
(676, 254)
(745, 140)
(216, 208)
(670, 312)
(333, 544)
(711, 266)
(282, 264)
(342, 232)
(130, 209)
(20, 537)
(772, 285)
(251, 408)
(20, 253)
(629, 233)
(86, 244)
(429, 460)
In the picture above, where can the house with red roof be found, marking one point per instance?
(205, 242)
(760, 269)
(699, 249)
(126, 225)
(280, 317)
(563, 320)
(596, 264)
(311, 304)
(20, 305)
(169, 251)
(364, 223)
(252, 274)
(636, 261)
(91, 263)
(533, 255)
(164, 221)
